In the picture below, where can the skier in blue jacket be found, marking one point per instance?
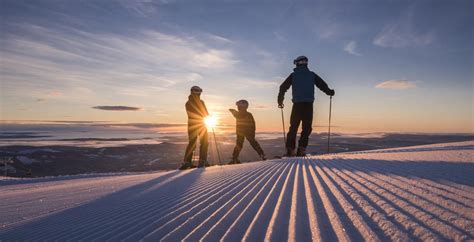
(302, 82)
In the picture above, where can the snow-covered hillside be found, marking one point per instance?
(424, 192)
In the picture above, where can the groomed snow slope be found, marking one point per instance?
(415, 193)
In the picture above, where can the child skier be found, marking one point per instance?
(245, 128)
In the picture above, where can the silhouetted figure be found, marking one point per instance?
(302, 81)
(197, 111)
(245, 128)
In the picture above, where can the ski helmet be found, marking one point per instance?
(242, 104)
(196, 90)
(300, 60)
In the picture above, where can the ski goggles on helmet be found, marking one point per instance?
(242, 104)
(196, 90)
(300, 60)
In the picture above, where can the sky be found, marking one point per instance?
(396, 66)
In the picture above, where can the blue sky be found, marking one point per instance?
(402, 66)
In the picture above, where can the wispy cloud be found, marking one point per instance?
(142, 8)
(351, 48)
(213, 59)
(393, 36)
(61, 126)
(329, 23)
(261, 83)
(117, 108)
(329, 31)
(402, 33)
(279, 36)
(396, 84)
(42, 97)
(134, 64)
(261, 106)
(220, 39)
(76, 122)
(55, 94)
(245, 83)
(148, 125)
(91, 123)
(161, 114)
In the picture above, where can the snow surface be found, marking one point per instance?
(414, 193)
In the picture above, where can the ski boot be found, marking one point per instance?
(234, 161)
(203, 163)
(187, 165)
(290, 152)
(301, 151)
(263, 157)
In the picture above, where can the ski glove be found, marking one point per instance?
(331, 92)
(280, 100)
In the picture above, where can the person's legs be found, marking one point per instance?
(255, 145)
(307, 123)
(204, 144)
(295, 119)
(239, 143)
(192, 136)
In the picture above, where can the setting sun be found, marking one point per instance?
(210, 121)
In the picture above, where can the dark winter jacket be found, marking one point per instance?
(196, 110)
(302, 81)
(245, 123)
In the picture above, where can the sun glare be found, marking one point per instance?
(210, 121)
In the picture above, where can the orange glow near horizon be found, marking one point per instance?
(344, 120)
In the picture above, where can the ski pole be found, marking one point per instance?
(217, 148)
(329, 126)
(283, 121)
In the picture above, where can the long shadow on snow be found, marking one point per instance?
(421, 149)
(105, 211)
(437, 171)
(85, 176)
